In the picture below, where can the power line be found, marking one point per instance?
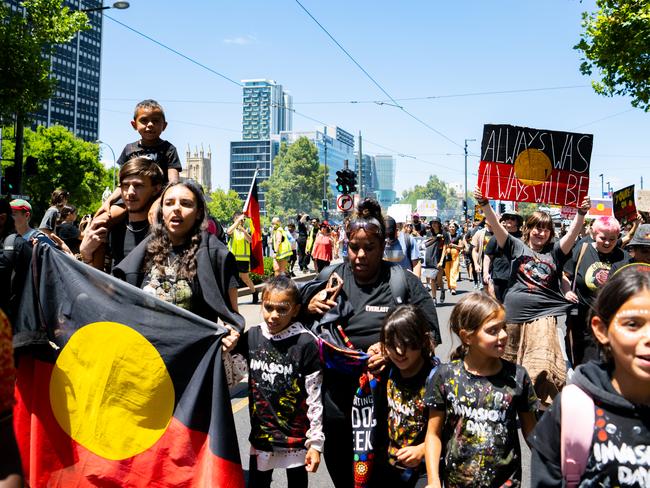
(603, 118)
(394, 102)
(184, 56)
(184, 122)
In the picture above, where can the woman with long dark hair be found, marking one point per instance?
(181, 263)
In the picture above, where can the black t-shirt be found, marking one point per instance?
(373, 302)
(500, 264)
(534, 285)
(433, 249)
(124, 237)
(69, 233)
(280, 369)
(593, 272)
(163, 154)
(480, 444)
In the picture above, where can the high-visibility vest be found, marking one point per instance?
(239, 246)
(309, 247)
(284, 249)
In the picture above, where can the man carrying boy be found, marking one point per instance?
(140, 183)
(58, 200)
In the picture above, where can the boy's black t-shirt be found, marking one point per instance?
(164, 154)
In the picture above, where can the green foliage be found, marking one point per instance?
(268, 272)
(526, 208)
(616, 44)
(296, 184)
(64, 161)
(26, 42)
(449, 204)
(224, 204)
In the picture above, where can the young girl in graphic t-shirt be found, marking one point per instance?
(407, 341)
(474, 402)
(619, 386)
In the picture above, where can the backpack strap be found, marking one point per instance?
(583, 248)
(398, 286)
(327, 271)
(576, 433)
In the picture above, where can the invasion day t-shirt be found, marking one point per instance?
(534, 285)
(480, 442)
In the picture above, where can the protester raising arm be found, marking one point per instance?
(498, 229)
(569, 239)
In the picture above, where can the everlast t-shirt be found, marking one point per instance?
(163, 154)
(534, 285)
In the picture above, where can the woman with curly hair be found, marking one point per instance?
(181, 263)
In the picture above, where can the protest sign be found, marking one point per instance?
(427, 208)
(568, 213)
(643, 201)
(601, 207)
(624, 207)
(531, 165)
(401, 212)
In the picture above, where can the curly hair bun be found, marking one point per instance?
(368, 208)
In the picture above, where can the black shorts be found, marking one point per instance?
(243, 266)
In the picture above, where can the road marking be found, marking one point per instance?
(239, 405)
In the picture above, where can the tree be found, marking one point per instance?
(435, 189)
(224, 204)
(296, 184)
(616, 43)
(64, 161)
(27, 41)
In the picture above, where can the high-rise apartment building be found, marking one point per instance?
(266, 109)
(266, 112)
(76, 68)
(385, 166)
(198, 167)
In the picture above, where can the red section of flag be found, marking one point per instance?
(498, 181)
(181, 457)
(252, 211)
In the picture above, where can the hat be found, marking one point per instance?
(324, 223)
(641, 236)
(20, 204)
(415, 215)
(435, 219)
(513, 214)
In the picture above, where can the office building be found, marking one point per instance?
(245, 158)
(76, 68)
(368, 184)
(198, 167)
(266, 109)
(334, 146)
(385, 167)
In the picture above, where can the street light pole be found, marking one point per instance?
(466, 141)
(602, 185)
(114, 161)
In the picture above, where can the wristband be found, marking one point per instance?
(583, 213)
(483, 202)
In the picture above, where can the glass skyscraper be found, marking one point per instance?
(76, 68)
(385, 166)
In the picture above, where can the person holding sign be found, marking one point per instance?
(534, 299)
(584, 275)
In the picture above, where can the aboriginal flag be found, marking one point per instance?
(252, 211)
(521, 164)
(116, 387)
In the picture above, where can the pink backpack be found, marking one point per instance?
(576, 433)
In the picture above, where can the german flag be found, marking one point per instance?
(252, 211)
(521, 164)
(117, 388)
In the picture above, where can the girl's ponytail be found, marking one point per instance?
(458, 353)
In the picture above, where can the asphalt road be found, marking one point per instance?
(321, 478)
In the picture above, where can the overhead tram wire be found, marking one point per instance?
(178, 53)
(395, 103)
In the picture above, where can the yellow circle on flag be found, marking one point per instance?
(600, 206)
(533, 167)
(110, 390)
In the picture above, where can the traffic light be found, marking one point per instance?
(341, 181)
(352, 181)
(502, 208)
(9, 180)
(325, 206)
(464, 207)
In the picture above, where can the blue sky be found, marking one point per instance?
(451, 50)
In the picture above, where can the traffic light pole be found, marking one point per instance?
(325, 178)
(18, 152)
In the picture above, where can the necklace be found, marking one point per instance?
(136, 227)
